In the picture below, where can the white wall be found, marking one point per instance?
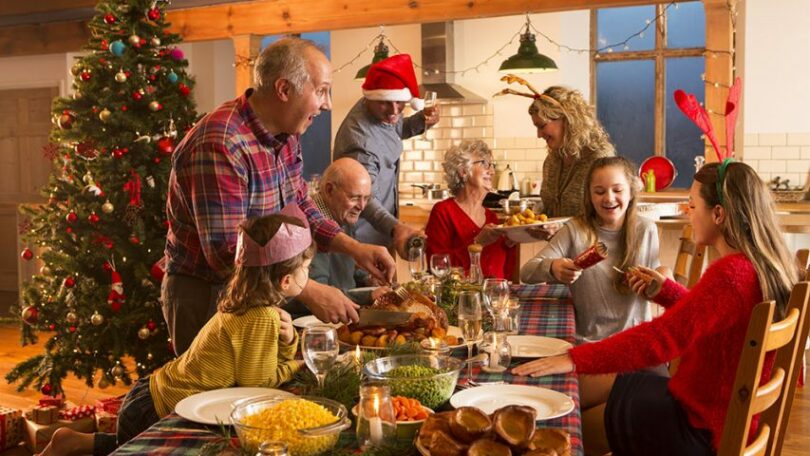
(777, 64)
(50, 70)
(211, 64)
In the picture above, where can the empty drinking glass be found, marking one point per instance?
(320, 349)
(440, 265)
(496, 294)
(416, 262)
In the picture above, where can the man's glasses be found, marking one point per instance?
(487, 164)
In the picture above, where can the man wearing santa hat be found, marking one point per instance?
(372, 134)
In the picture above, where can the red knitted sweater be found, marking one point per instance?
(705, 326)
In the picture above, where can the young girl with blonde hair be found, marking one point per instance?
(730, 209)
(249, 342)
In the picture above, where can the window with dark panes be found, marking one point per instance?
(634, 80)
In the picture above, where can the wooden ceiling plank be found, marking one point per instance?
(58, 37)
(18, 8)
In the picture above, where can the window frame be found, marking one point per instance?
(659, 55)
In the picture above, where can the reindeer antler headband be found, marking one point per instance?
(510, 78)
(692, 109)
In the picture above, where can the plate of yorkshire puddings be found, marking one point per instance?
(510, 430)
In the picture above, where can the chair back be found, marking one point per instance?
(803, 260)
(690, 259)
(774, 398)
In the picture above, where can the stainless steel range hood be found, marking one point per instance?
(437, 60)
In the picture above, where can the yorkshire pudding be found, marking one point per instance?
(487, 447)
(555, 440)
(515, 424)
(441, 444)
(434, 423)
(469, 423)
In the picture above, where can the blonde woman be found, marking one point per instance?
(730, 209)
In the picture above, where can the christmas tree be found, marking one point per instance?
(102, 233)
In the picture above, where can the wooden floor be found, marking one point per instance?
(797, 442)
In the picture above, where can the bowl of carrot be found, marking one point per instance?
(410, 416)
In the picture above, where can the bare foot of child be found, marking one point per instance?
(65, 442)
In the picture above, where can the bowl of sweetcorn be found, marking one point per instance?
(309, 425)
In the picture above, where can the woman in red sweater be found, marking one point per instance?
(457, 222)
(730, 209)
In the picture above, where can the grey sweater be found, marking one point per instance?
(600, 309)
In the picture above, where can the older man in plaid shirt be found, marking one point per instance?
(244, 160)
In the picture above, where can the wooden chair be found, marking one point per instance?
(689, 262)
(773, 399)
(803, 260)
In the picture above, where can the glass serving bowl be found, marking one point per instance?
(301, 441)
(432, 390)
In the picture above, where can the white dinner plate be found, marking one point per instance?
(548, 403)
(537, 346)
(311, 320)
(209, 406)
(520, 233)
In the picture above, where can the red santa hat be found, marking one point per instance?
(116, 278)
(393, 79)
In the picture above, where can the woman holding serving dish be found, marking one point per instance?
(575, 139)
(457, 222)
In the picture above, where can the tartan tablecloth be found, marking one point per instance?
(546, 310)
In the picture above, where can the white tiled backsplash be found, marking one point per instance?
(786, 155)
(423, 155)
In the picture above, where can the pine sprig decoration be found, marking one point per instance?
(130, 94)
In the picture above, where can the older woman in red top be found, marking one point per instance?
(462, 220)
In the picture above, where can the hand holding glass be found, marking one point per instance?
(320, 349)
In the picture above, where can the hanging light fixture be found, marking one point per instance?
(380, 53)
(527, 59)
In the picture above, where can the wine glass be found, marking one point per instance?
(496, 293)
(320, 349)
(430, 107)
(440, 265)
(469, 319)
(416, 262)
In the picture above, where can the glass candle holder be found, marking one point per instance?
(273, 448)
(498, 351)
(376, 420)
(512, 322)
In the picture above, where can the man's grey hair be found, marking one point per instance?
(458, 162)
(284, 59)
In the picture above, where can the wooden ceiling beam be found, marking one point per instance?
(18, 8)
(266, 17)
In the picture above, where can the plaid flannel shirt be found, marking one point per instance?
(229, 168)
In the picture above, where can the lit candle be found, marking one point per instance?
(434, 346)
(375, 424)
(357, 355)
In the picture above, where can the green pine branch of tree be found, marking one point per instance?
(101, 233)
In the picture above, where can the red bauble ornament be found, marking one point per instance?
(70, 282)
(153, 14)
(124, 108)
(137, 95)
(107, 244)
(117, 153)
(151, 325)
(65, 121)
(156, 160)
(72, 329)
(86, 75)
(165, 146)
(46, 389)
(107, 267)
(27, 254)
(71, 217)
(184, 89)
(115, 306)
(141, 42)
(93, 218)
(109, 19)
(157, 271)
(52, 327)
(134, 240)
(30, 315)
(68, 230)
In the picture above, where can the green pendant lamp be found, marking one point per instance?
(527, 59)
(380, 53)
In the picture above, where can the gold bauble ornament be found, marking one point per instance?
(121, 76)
(107, 207)
(75, 69)
(71, 317)
(97, 319)
(155, 41)
(104, 115)
(154, 106)
(45, 271)
(143, 333)
(134, 39)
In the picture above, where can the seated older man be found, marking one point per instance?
(344, 191)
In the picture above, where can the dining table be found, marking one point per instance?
(545, 310)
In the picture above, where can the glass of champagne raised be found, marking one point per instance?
(320, 349)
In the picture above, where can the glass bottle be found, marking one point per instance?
(376, 420)
(273, 448)
(476, 275)
(498, 350)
